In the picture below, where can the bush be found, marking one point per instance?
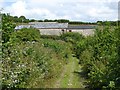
(7, 28)
(26, 34)
(54, 37)
(71, 37)
(60, 47)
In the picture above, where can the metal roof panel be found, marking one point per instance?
(81, 26)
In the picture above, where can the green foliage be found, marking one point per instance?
(71, 37)
(99, 55)
(28, 64)
(60, 47)
(81, 46)
(112, 23)
(22, 62)
(26, 34)
(54, 37)
(62, 21)
(22, 19)
(27, 61)
(7, 27)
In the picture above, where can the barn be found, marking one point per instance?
(50, 28)
(55, 28)
(83, 29)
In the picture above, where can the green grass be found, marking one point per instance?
(69, 79)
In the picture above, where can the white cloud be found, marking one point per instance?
(82, 10)
(18, 8)
(1, 4)
(1, 0)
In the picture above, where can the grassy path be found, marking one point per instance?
(70, 79)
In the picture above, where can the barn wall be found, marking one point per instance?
(85, 32)
(51, 31)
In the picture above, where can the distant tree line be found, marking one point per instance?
(112, 23)
(78, 23)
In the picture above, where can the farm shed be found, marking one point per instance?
(83, 29)
(50, 28)
(46, 28)
(54, 28)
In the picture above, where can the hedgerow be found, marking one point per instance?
(32, 62)
(29, 61)
(99, 55)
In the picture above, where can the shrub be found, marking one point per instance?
(7, 28)
(60, 47)
(71, 37)
(54, 37)
(26, 34)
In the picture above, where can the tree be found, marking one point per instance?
(7, 27)
(32, 20)
(46, 20)
(40, 20)
(63, 21)
(22, 18)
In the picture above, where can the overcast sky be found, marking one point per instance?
(76, 10)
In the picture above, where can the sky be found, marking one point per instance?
(74, 10)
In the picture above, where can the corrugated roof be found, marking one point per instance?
(81, 26)
(44, 25)
(51, 25)
(23, 26)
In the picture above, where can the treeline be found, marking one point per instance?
(16, 19)
(112, 23)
